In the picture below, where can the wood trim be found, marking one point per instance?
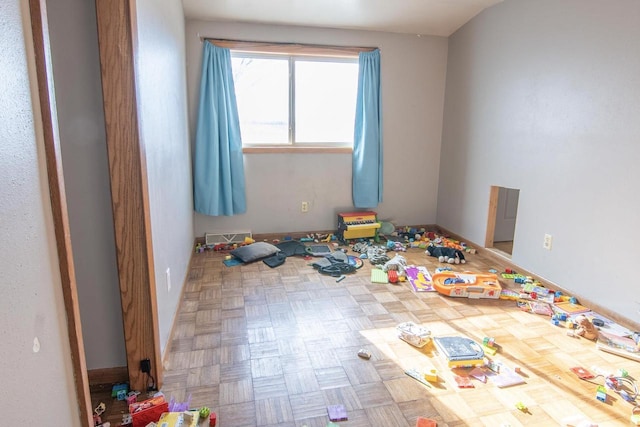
(175, 315)
(48, 112)
(491, 216)
(290, 48)
(300, 234)
(117, 374)
(130, 204)
(297, 150)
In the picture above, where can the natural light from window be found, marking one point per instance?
(321, 93)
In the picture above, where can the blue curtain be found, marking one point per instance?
(218, 169)
(367, 142)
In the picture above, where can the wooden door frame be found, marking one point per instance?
(491, 216)
(117, 34)
(59, 210)
(130, 204)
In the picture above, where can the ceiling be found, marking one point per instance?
(425, 17)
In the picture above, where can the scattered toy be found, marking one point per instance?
(337, 413)
(425, 422)
(415, 335)
(364, 354)
(444, 254)
(489, 346)
(431, 375)
(586, 328)
(467, 285)
(416, 375)
(463, 382)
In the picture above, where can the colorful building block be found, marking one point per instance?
(431, 375)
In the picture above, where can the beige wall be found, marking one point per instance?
(544, 96)
(163, 120)
(163, 123)
(413, 78)
(76, 67)
(37, 386)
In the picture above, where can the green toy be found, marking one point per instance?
(204, 412)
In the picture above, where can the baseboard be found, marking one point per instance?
(117, 374)
(502, 262)
(164, 353)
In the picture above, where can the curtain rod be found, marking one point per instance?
(231, 43)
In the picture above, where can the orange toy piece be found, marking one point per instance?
(426, 422)
(467, 285)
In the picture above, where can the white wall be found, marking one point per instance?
(413, 76)
(76, 66)
(35, 385)
(164, 132)
(544, 96)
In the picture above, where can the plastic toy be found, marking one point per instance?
(393, 276)
(415, 335)
(522, 407)
(99, 410)
(127, 419)
(204, 412)
(489, 346)
(132, 397)
(431, 375)
(425, 422)
(337, 413)
(601, 394)
(119, 387)
(467, 285)
(509, 294)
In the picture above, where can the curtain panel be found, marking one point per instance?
(367, 142)
(218, 168)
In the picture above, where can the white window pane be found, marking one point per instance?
(325, 101)
(262, 93)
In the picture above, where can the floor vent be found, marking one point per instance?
(233, 237)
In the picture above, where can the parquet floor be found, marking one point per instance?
(275, 347)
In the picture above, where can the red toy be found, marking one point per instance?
(393, 276)
(425, 422)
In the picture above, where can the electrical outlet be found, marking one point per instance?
(304, 207)
(548, 240)
(168, 279)
(145, 366)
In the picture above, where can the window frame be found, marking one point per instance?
(292, 51)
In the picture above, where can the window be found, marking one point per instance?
(295, 101)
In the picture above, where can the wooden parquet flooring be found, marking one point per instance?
(275, 347)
